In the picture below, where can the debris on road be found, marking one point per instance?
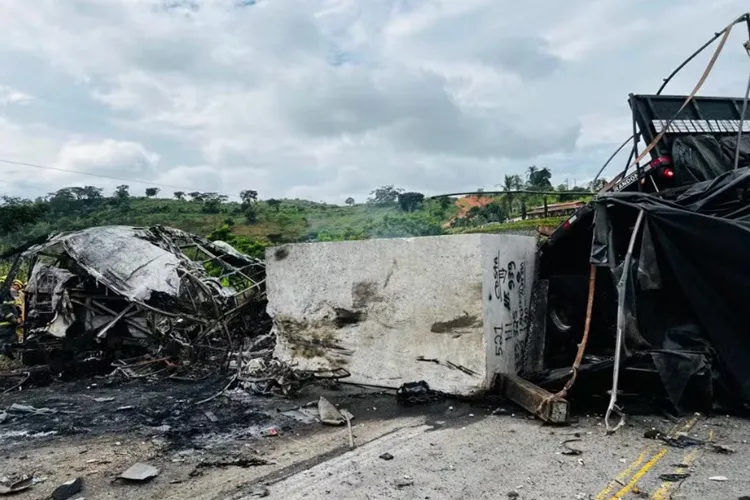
(16, 486)
(415, 393)
(68, 489)
(329, 414)
(242, 462)
(386, 456)
(569, 450)
(139, 472)
(537, 401)
(680, 441)
(30, 410)
(718, 478)
(673, 478)
(404, 482)
(724, 450)
(259, 492)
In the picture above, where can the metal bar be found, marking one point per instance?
(533, 399)
(621, 326)
(104, 330)
(521, 191)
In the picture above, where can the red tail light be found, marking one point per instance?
(661, 161)
(668, 173)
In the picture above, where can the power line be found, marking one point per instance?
(102, 176)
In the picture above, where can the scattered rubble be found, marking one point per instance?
(16, 486)
(569, 450)
(139, 472)
(415, 393)
(67, 490)
(673, 478)
(259, 492)
(329, 414)
(404, 482)
(724, 450)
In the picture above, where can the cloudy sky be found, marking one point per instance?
(325, 99)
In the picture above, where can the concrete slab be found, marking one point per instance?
(451, 310)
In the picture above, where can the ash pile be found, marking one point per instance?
(144, 301)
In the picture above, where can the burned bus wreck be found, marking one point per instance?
(156, 297)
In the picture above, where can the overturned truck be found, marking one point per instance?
(116, 293)
(648, 278)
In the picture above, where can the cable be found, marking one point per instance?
(742, 114)
(744, 17)
(726, 31)
(596, 178)
(102, 176)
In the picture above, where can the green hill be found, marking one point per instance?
(252, 225)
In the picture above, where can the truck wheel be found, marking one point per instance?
(566, 315)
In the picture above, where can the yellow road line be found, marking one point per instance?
(625, 475)
(642, 472)
(654, 451)
(663, 492)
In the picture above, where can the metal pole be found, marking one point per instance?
(620, 328)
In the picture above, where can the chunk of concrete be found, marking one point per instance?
(450, 310)
(140, 473)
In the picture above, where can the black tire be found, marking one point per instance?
(566, 315)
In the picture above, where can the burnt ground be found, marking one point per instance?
(95, 407)
(97, 427)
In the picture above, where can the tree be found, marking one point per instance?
(385, 195)
(274, 203)
(211, 206)
(494, 212)
(212, 195)
(180, 195)
(122, 192)
(350, 201)
(196, 196)
(92, 192)
(16, 213)
(510, 183)
(248, 196)
(444, 203)
(409, 202)
(152, 191)
(251, 214)
(538, 178)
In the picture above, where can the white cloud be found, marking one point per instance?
(330, 98)
(9, 95)
(108, 157)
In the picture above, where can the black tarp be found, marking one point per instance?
(699, 158)
(700, 242)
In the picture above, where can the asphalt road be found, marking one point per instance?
(447, 450)
(505, 457)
